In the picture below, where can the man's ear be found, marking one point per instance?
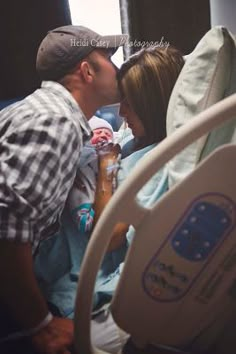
(86, 72)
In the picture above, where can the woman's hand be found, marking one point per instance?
(118, 237)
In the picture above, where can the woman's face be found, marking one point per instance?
(132, 119)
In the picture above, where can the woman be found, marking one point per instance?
(146, 81)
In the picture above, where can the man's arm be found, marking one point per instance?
(20, 295)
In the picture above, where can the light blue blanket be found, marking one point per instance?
(58, 262)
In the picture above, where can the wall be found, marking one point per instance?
(23, 24)
(224, 13)
(181, 22)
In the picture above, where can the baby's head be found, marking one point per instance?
(102, 130)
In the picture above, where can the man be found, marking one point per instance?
(41, 141)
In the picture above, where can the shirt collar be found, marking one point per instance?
(78, 114)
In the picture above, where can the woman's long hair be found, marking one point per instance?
(146, 80)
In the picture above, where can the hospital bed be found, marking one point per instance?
(177, 289)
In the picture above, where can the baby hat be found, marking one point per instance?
(96, 123)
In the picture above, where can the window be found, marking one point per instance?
(102, 16)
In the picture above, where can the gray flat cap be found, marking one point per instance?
(64, 47)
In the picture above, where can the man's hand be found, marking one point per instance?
(25, 303)
(55, 338)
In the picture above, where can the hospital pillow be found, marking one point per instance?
(209, 75)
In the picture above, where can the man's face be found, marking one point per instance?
(105, 81)
(101, 135)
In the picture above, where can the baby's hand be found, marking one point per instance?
(113, 150)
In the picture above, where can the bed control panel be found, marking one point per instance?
(185, 252)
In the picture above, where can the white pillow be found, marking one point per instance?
(209, 75)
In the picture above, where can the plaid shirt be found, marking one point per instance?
(40, 143)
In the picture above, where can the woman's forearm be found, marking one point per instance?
(103, 194)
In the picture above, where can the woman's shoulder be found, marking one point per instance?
(129, 162)
(138, 154)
